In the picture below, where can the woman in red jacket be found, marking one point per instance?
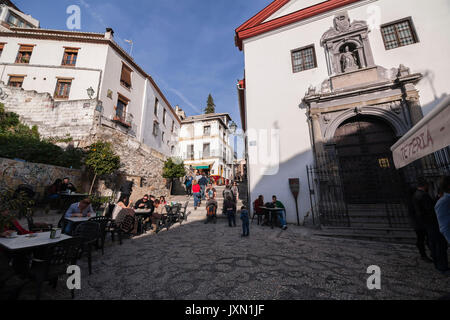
(197, 195)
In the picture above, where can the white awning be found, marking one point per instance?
(431, 134)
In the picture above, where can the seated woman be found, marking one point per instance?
(123, 209)
(157, 215)
(162, 201)
(14, 226)
(54, 190)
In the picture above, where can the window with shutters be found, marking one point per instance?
(190, 152)
(125, 78)
(70, 57)
(121, 110)
(206, 150)
(16, 81)
(24, 54)
(62, 90)
(155, 128)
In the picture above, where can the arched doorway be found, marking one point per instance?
(365, 161)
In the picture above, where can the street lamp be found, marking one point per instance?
(233, 128)
(90, 92)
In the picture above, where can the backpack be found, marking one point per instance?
(211, 211)
(228, 193)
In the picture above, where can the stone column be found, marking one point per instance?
(317, 132)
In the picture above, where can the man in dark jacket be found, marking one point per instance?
(419, 227)
(203, 182)
(424, 210)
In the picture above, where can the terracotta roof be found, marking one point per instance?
(256, 25)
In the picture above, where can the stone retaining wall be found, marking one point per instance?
(14, 173)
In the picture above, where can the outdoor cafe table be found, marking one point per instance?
(273, 213)
(26, 242)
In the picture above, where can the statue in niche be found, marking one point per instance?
(349, 61)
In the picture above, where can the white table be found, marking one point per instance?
(24, 242)
(79, 220)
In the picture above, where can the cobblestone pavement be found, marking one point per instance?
(198, 261)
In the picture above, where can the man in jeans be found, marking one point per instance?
(203, 182)
(443, 208)
(229, 208)
(281, 213)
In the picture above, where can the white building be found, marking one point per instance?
(204, 144)
(349, 64)
(12, 16)
(81, 65)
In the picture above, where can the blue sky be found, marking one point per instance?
(187, 46)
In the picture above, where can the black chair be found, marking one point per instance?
(37, 226)
(104, 223)
(183, 213)
(125, 227)
(53, 263)
(90, 233)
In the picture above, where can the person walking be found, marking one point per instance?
(197, 195)
(230, 210)
(227, 192)
(203, 182)
(443, 208)
(245, 222)
(424, 208)
(235, 191)
(188, 184)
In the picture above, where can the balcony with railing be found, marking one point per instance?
(123, 118)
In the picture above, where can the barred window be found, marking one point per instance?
(304, 59)
(398, 34)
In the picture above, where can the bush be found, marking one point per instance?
(18, 141)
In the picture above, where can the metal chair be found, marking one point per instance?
(183, 213)
(104, 223)
(90, 233)
(53, 263)
(38, 227)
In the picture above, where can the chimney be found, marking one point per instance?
(109, 34)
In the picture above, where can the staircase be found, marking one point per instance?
(375, 222)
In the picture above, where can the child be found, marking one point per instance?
(245, 222)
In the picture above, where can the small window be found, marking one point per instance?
(173, 126)
(70, 57)
(304, 59)
(156, 107)
(398, 34)
(63, 88)
(125, 78)
(2, 45)
(162, 136)
(24, 54)
(16, 81)
(155, 128)
(164, 116)
(207, 130)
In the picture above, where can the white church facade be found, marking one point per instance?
(337, 79)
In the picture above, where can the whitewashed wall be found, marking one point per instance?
(273, 91)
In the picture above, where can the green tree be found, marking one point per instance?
(102, 160)
(210, 106)
(173, 170)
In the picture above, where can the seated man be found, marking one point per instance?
(281, 213)
(260, 212)
(78, 210)
(144, 203)
(67, 185)
(157, 215)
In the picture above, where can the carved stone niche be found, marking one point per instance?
(347, 45)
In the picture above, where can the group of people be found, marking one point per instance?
(58, 187)
(258, 205)
(430, 219)
(200, 179)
